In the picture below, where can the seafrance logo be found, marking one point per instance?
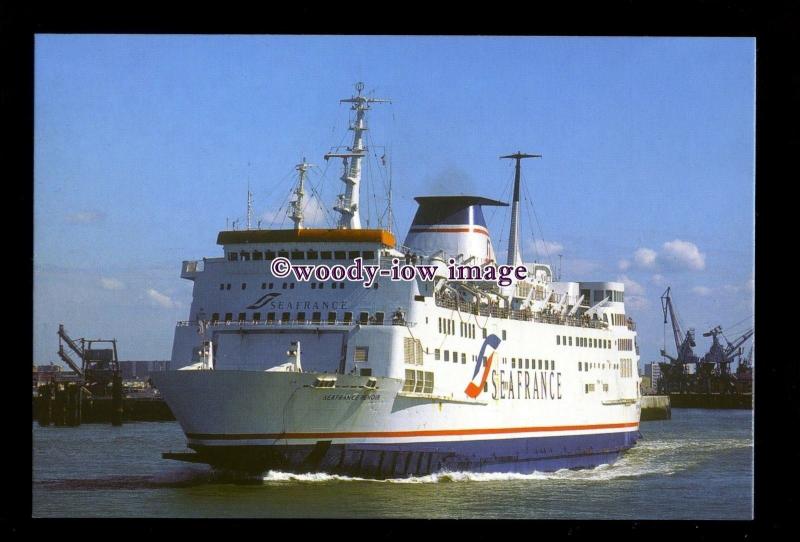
(263, 300)
(473, 390)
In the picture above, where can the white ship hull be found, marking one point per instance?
(254, 421)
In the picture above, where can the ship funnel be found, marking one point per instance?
(453, 224)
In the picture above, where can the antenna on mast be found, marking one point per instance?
(249, 204)
(296, 206)
(347, 203)
(514, 253)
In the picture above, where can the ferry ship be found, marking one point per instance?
(404, 377)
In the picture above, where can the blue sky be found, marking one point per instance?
(144, 147)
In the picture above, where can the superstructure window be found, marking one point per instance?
(245, 256)
(244, 286)
(263, 285)
(325, 255)
(331, 318)
(301, 317)
(363, 318)
(312, 255)
(258, 255)
(513, 363)
(379, 318)
(285, 317)
(283, 253)
(215, 317)
(368, 254)
(228, 316)
(354, 254)
(316, 317)
(232, 256)
(298, 255)
(256, 317)
(339, 255)
(437, 354)
(269, 255)
(221, 286)
(361, 354)
(447, 355)
(570, 340)
(348, 317)
(552, 365)
(291, 285)
(242, 316)
(270, 317)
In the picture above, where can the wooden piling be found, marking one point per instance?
(45, 396)
(116, 400)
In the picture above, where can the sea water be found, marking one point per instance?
(698, 465)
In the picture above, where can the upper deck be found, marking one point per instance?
(312, 235)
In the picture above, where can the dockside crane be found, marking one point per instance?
(674, 373)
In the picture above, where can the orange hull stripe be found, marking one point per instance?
(428, 433)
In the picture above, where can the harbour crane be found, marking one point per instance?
(674, 372)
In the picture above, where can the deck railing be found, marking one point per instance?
(512, 314)
(277, 323)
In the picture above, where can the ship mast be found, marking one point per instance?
(514, 253)
(347, 203)
(296, 206)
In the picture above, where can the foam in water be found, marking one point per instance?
(656, 457)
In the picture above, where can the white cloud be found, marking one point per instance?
(624, 265)
(111, 284)
(578, 269)
(645, 257)
(701, 290)
(658, 280)
(750, 285)
(632, 288)
(160, 299)
(683, 254)
(85, 217)
(314, 215)
(636, 302)
(544, 248)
